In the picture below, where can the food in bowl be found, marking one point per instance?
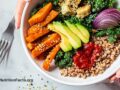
(80, 38)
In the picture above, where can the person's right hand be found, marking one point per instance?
(19, 11)
(115, 77)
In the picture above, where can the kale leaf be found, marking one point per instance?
(34, 11)
(54, 2)
(64, 59)
(98, 5)
(112, 38)
(87, 22)
(112, 33)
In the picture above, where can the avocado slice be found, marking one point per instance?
(65, 44)
(83, 30)
(73, 39)
(76, 31)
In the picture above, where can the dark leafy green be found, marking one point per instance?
(98, 5)
(64, 59)
(34, 11)
(112, 33)
(87, 22)
(55, 2)
(112, 3)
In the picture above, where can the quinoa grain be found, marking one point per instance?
(106, 58)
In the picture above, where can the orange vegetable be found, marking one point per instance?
(31, 46)
(52, 40)
(40, 15)
(50, 57)
(41, 57)
(41, 32)
(52, 15)
(49, 18)
(34, 29)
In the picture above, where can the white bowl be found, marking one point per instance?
(55, 74)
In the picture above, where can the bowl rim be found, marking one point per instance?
(51, 77)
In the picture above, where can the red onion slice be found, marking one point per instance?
(107, 18)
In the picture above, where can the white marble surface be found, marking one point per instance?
(20, 67)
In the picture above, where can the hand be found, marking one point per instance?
(115, 77)
(18, 14)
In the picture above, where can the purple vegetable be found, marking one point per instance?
(107, 18)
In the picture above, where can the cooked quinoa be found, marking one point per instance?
(109, 53)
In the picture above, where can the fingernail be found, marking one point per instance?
(118, 76)
(16, 26)
(112, 81)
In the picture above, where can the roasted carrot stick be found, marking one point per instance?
(40, 15)
(41, 32)
(50, 57)
(52, 40)
(52, 15)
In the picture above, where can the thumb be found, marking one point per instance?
(118, 74)
(18, 14)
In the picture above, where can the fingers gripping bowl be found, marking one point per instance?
(73, 79)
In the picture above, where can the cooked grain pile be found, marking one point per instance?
(106, 58)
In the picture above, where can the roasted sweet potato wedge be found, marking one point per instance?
(40, 15)
(50, 57)
(52, 15)
(52, 40)
(34, 29)
(39, 33)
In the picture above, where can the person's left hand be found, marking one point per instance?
(19, 11)
(115, 77)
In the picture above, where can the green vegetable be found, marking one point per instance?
(112, 3)
(79, 33)
(98, 5)
(73, 39)
(34, 12)
(55, 2)
(87, 22)
(35, 9)
(65, 44)
(64, 59)
(83, 31)
(112, 38)
(112, 33)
